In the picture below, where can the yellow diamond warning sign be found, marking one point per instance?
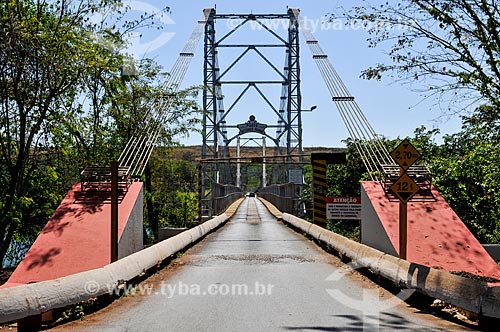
(404, 188)
(405, 154)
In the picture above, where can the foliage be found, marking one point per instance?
(251, 176)
(172, 193)
(467, 173)
(187, 209)
(451, 45)
(344, 180)
(43, 54)
(68, 98)
(464, 169)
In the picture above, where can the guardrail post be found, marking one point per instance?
(200, 195)
(114, 211)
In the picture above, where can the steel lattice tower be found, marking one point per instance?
(288, 129)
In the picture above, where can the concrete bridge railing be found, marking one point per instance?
(472, 295)
(475, 296)
(34, 299)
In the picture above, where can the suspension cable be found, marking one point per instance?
(138, 150)
(370, 147)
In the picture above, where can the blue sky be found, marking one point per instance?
(393, 110)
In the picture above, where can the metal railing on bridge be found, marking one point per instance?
(221, 197)
(286, 197)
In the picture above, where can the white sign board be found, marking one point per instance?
(341, 207)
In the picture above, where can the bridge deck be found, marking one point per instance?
(290, 284)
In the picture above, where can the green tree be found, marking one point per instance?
(467, 174)
(449, 46)
(171, 196)
(66, 102)
(43, 53)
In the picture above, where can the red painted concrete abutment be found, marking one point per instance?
(77, 236)
(436, 235)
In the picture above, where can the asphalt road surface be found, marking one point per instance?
(255, 274)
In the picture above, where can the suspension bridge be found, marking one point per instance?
(296, 284)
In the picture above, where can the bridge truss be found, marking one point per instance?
(218, 133)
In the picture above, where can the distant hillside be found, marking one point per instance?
(194, 152)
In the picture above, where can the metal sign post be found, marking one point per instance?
(404, 188)
(403, 229)
(200, 194)
(114, 211)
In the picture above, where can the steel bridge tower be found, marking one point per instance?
(217, 133)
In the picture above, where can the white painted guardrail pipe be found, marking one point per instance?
(472, 295)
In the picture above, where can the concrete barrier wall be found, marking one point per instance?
(33, 299)
(472, 295)
(374, 234)
(131, 240)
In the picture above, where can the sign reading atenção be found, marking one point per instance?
(343, 207)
